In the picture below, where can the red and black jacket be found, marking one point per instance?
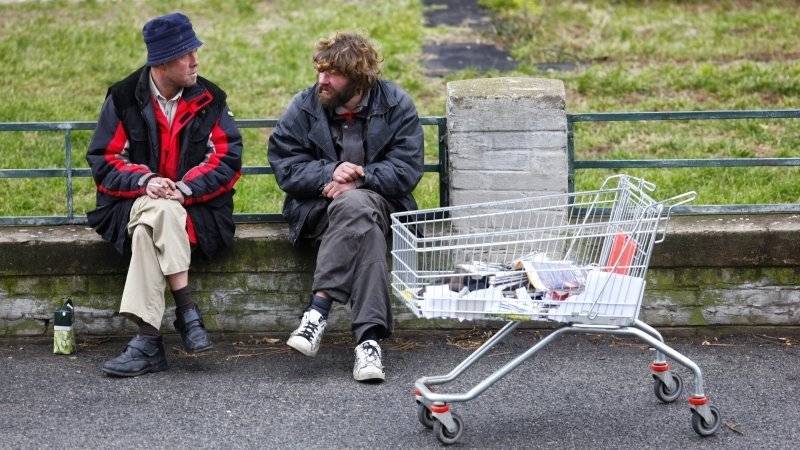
(203, 156)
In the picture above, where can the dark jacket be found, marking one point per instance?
(303, 157)
(125, 150)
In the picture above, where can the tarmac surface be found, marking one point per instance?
(586, 391)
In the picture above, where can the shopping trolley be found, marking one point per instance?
(578, 259)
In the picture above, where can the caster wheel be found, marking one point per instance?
(424, 416)
(446, 437)
(665, 394)
(704, 428)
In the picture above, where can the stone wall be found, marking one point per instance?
(723, 270)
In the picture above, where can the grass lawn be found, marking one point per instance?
(672, 56)
(57, 58)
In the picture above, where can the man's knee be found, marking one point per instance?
(170, 207)
(350, 200)
(141, 232)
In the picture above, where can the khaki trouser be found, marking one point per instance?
(159, 247)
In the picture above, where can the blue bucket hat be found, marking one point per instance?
(169, 37)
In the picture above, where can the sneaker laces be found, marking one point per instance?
(371, 353)
(309, 330)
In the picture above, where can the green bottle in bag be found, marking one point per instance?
(63, 335)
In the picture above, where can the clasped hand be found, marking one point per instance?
(344, 179)
(158, 187)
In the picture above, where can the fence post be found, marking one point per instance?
(507, 138)
(68, 164)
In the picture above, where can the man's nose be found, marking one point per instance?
(324, 78)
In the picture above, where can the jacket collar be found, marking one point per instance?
(378, 133)
(196, 96)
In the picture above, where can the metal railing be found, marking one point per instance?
(575, 164)
(69, 172)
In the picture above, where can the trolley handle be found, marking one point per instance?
(634, 181)
(678, 200)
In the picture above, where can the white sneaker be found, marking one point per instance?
(368, 366)
(305, 339)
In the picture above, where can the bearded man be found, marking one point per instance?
(348, 152)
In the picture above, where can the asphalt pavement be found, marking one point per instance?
(585, 391)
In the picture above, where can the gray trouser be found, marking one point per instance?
(351, 260)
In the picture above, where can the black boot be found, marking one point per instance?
(142, 355)
(193, 333)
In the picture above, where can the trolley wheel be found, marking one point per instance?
(666, 395)
(424, 416)
(704, 428)
(446, 437)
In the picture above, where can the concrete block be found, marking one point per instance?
(544, 92)
(485, 141)
(492, 124)
(510, 117)
(536, 180)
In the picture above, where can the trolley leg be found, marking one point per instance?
(470, 360)
(433, 397)
(698, 402)
(652, 332)
(668, 384)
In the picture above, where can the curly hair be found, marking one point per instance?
(350, 54)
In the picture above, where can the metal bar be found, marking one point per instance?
(43, 173)
(89, 125)
(46, 126)
(443, 166)
(83, 173)
(70, 172)
(258, 217)
(570, 157)
(684, 115)
(257, 170)
(81, 220)
(494, 377)
(471, 359)
(787, 208)
(68, 164)
(42, 220)
(672, 163)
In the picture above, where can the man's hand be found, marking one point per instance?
(158, 187)
(176, 194)
(335, 189)
(347, 172)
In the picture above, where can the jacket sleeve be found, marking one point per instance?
(221, 167)
(298, 170)
(112, 171)
(399, 171)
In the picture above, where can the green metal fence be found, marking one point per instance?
(69, 172)
(576, 164)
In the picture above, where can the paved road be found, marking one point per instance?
(585, 391)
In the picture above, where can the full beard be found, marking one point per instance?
(339, 97)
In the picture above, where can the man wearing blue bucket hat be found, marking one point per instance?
(165, 157)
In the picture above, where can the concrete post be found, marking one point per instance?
(507, 138)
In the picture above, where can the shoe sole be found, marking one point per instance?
(154, 369)
(199, 350)
(300, 348)
(373, 378)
